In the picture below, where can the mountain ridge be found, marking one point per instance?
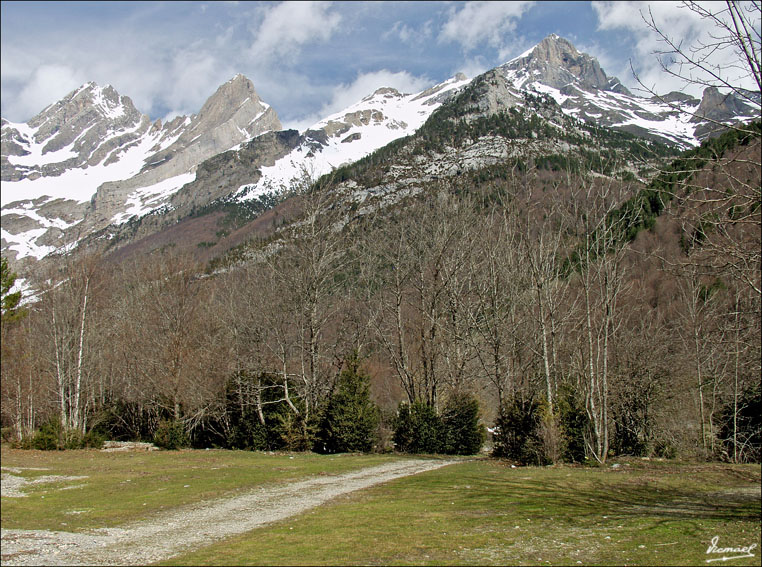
(154, 166)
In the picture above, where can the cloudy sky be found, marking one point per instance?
(306, 59)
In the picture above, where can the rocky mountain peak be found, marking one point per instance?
(556, 62)
(68, 133)
(717, 106)
(91, 102)
(235, 101)
(236, 91)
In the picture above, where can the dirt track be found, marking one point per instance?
(192, 527)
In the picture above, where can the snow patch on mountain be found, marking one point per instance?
(352, 134)
(146, 199)
(81, 183)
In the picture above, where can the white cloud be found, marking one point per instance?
(287, 26)
(346, 95)
(472, 67)
(409, 34)
(45, 85)
(194, 76)
(682, 25)
(479, 22)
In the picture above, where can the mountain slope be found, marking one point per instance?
(92, 167)
(92, 159)
(576, 81)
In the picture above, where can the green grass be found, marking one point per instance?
(122, 487)
(483, 512)
(475, 512)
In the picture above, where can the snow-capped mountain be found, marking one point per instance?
(351, 134)
(92, 162)
(92, 159)
(578, 83)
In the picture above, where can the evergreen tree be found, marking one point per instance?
(10, 301)
(350, 419)
(463, 434)
(517, 431)
(418, 429)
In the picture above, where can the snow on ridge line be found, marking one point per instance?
(374, 135)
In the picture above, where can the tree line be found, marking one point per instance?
(413, 329)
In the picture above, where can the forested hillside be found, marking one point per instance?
(577, 315)
(511, 276)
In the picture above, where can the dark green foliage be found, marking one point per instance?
(171, 435)
(9, 302)
(350, 419)
(418, 429)
(517, 432)
(463, 434)
(633, 420)
(748, 424)
(47, 438)
(51, 436)
(574, 423)
(294, 432)
(246, 430)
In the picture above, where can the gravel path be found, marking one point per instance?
(192, 527)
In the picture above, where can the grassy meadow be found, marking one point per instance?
(478, 511)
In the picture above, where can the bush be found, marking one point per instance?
(517, 435)
(350, 420)
(463, 434)
(293, 432)
(47, 437)
(128, 421)
(248, 433)
(552, 442)
(7, 434)
(574, 424)
(418, 429)
(171, 435)
(93, 439)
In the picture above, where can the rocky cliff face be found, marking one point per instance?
(555, 62)
(93, 159)
(578, 83)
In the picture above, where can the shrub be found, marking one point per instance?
(93, 439)
(516, 432)
(7, 434)
(128, 421)
(574, 424)
(552, 442)
(463, 434)
(418, 429)
(248, 433)
(171, 435)
(293, 432)
(47, 437)
(350, 420)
